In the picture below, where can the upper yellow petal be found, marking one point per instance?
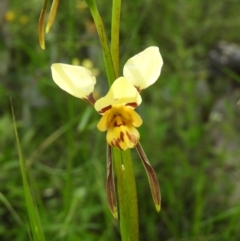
(122, 92)
(75, 80)
(144, 68)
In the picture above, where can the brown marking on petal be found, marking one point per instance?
(132, 138)
(115, 123)
(133, 104)
(118, 146)
(116, 143)
(105, 109)
(112, 143)
(121, 136)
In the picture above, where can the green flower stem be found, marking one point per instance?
(127, 195)
(103, 40)
(126, 186)
(116, 11)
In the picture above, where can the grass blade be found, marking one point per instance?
(34, 219)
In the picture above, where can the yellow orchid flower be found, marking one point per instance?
(119, 118)
(117, 107)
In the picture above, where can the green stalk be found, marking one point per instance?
(116, 11)
(103, 40)
(127, 195)
(68, 190)
(126, 186)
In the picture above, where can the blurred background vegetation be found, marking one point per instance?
(190, 132)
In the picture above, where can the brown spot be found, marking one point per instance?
(112, 143)
(116, 143)
(133, 104)
(122, 136)
(105, 109)
(115, 124)
(132, 138)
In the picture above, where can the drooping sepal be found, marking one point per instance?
(110, 185)
(152, 177)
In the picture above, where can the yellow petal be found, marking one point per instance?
(144, 68)
(129, 113)
(103, 123)
(120, 123)
(122, 92)
(75, 80)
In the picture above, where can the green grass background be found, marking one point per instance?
(190, 131)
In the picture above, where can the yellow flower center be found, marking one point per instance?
(120, 123)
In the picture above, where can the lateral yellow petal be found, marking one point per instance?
(122, 92)
(103, 123)
(144, 68)
(75, 80)
(132, 116)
